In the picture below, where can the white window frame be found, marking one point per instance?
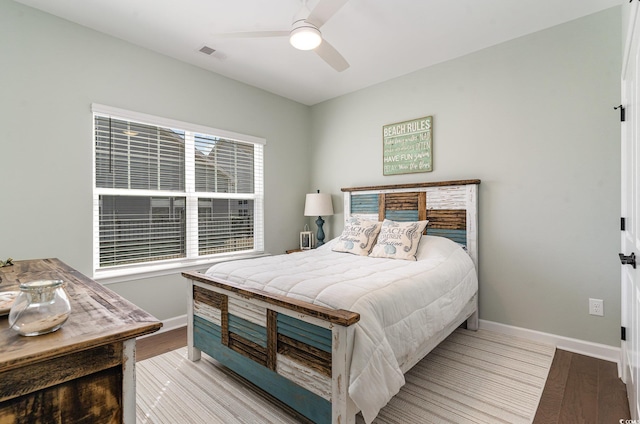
(193, 260)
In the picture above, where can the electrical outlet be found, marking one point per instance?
(596, 307)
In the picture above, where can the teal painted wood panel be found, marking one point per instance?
(364, 203)
(401, 216)
(304, 332)
(206, 338)
(248, 330)
(459, 236)
(213, 330)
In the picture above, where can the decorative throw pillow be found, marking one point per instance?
(398, 240)
(357, 237)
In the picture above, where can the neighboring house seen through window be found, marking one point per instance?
(170, 193)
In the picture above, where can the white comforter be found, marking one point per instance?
(401, 303)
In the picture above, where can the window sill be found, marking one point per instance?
(129, 273)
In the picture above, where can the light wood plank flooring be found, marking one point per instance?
(579, 389)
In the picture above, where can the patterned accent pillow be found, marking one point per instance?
(357, 237)
(398, 240)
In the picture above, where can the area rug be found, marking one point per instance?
(471, 377)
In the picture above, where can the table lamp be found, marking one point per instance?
(318, 204)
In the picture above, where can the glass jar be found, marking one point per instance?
(41, 307)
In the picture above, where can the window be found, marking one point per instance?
(170, 193)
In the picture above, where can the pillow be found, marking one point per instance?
(398, 240)
(357, 237)
(430, 244)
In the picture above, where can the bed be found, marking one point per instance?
(329, 332)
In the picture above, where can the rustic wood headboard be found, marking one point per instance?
(450, 206)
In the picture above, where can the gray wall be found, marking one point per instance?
(51, 71)
(532, 118)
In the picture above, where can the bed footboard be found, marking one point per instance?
(296, 351)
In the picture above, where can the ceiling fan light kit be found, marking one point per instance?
(305, 36)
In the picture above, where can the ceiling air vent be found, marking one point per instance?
(207, 50)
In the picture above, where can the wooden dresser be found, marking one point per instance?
(85, 371)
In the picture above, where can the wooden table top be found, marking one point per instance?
(98, 315)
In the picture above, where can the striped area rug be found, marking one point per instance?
(471, 377)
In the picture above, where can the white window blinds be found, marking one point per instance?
(172, 191)
(130, 155)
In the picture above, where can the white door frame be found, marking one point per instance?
(630, 210)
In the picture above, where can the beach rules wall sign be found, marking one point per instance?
(407, 146)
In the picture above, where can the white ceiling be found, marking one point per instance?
(381, 39)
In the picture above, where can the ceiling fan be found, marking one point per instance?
(305, 32)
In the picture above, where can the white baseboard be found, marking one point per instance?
(582, 347)
(170, 324)
(173, 323)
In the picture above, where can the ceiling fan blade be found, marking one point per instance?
(330, 55)
(253, 34)
(324, 10)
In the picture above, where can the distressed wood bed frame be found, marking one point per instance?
(300, 352)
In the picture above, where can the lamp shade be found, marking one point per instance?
(318, 204)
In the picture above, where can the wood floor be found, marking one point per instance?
(157, 344)
(579, 389)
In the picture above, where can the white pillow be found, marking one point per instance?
(357, 237)
(398, 240)
(434, 246)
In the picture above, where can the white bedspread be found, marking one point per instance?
(401, 303)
